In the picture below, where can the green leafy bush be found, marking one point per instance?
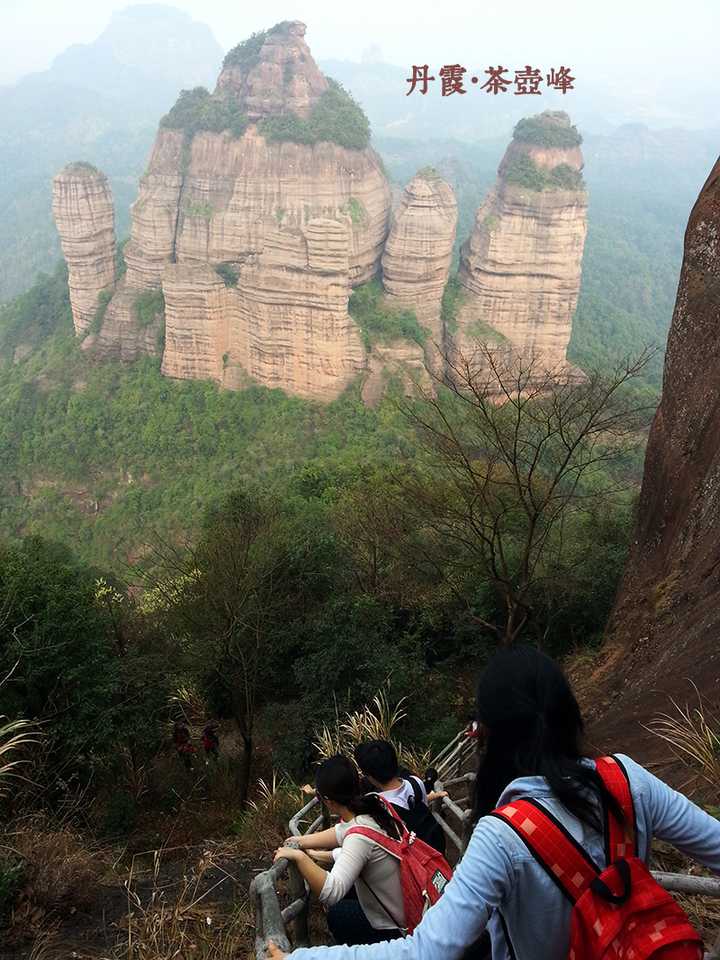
(378, 323)
(452, 298)
(83, 167)
(104, 298)
(428, 173)
(335, 118)
(356, 210)
(549, 129)
(197, 110)
(524, 172)
(229, 274)
(247, 53)
(148, 305)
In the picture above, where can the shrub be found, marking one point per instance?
(11, 877)
(229, 274)
(356, 210)
(428, 173)
(204, 210)
(548, 129)
(83, 167)
(198, 110)
(335, 118)
(452, 299)
(378, 323)
(247, 53)
(567, 177)
(524, 172)
(148, 306)
(104, 298)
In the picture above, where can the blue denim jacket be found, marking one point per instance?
(498, 876)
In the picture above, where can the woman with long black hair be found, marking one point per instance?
(530, 730)
(376, 911)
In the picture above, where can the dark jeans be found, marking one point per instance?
(349, 925)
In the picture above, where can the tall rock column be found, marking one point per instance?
(663, 633)
(520, 268)
(418, 251)
(85, 219)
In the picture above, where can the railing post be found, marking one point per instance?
(298, 891)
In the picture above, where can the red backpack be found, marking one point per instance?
(424, 873)
(621, 912)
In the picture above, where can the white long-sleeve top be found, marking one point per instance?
(366, 866)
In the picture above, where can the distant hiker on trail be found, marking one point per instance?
(378, 762)
(211, 741)
(557, 837)
(183, 744)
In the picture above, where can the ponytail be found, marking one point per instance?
(372, 805)
(337, 779)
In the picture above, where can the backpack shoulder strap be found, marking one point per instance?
(381, 839)
(620, 835)
(557, 852)
(417, 792)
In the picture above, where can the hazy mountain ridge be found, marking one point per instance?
(101, 101)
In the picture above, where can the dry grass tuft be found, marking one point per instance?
(693, 735)
(264, 825)
(186, 924)
(58, 870)
(375, 721)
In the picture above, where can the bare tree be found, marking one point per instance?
(509, 452)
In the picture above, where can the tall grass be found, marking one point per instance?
(15, 736)
(186, 925)
(375, 721)
(693, 735)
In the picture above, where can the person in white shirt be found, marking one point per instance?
(377, 914)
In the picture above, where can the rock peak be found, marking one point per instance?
(273, 72)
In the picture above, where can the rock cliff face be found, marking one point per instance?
(520, 268)
(85, 219)
(665, 626)
(289, 226)
(416, 260)
(283, 79)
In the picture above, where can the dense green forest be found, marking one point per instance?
(140, 514)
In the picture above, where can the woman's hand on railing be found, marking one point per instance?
(274, 953)
(288, 853)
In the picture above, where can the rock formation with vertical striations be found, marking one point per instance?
(85, 219)
(418, 252)
(520, 268)
(663, 633)
(262, 206)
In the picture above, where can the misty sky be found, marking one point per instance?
(651, 45)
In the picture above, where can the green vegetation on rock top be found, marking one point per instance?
(247, 53)
(522, 171)
(197, 110)
(83, 167)
(335, 118)
(549, 129)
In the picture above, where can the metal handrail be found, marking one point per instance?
(271, 920)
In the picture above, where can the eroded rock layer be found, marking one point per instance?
(285, 324)
(520, 268)
(85, 219)
(664, 630)
(418, 252)
(254, 242)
